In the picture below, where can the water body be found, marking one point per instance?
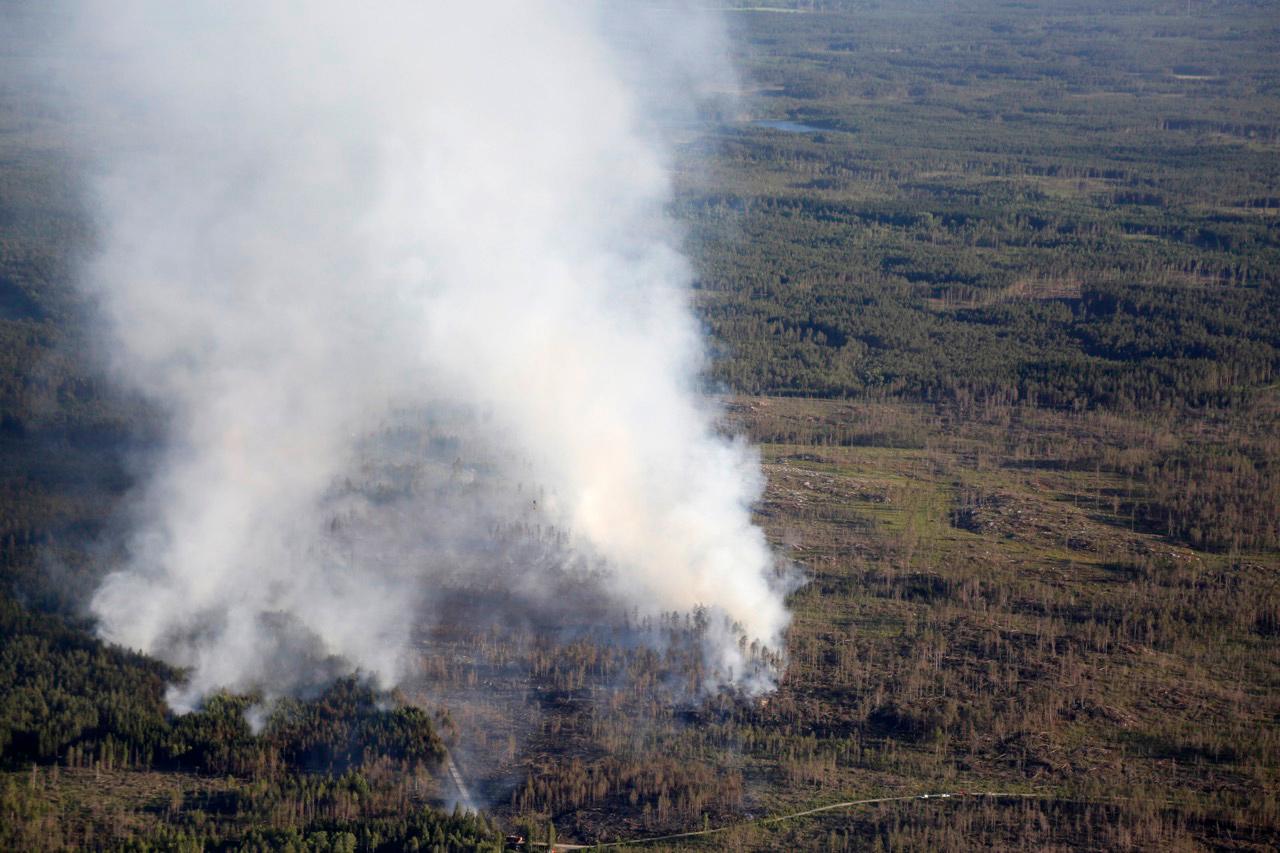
(788, 126)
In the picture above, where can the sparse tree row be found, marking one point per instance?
(662, 792)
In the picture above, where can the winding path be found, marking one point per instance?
(951, 795)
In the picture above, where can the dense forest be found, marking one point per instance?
(996, 288)
(1021, 202)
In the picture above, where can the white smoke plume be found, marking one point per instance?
(316, 221)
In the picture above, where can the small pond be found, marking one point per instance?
(788, 126)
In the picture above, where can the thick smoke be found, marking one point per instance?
(324, 230)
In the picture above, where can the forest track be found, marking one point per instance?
(464, 793)
(558, 847)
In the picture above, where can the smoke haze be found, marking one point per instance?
(401, 278)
